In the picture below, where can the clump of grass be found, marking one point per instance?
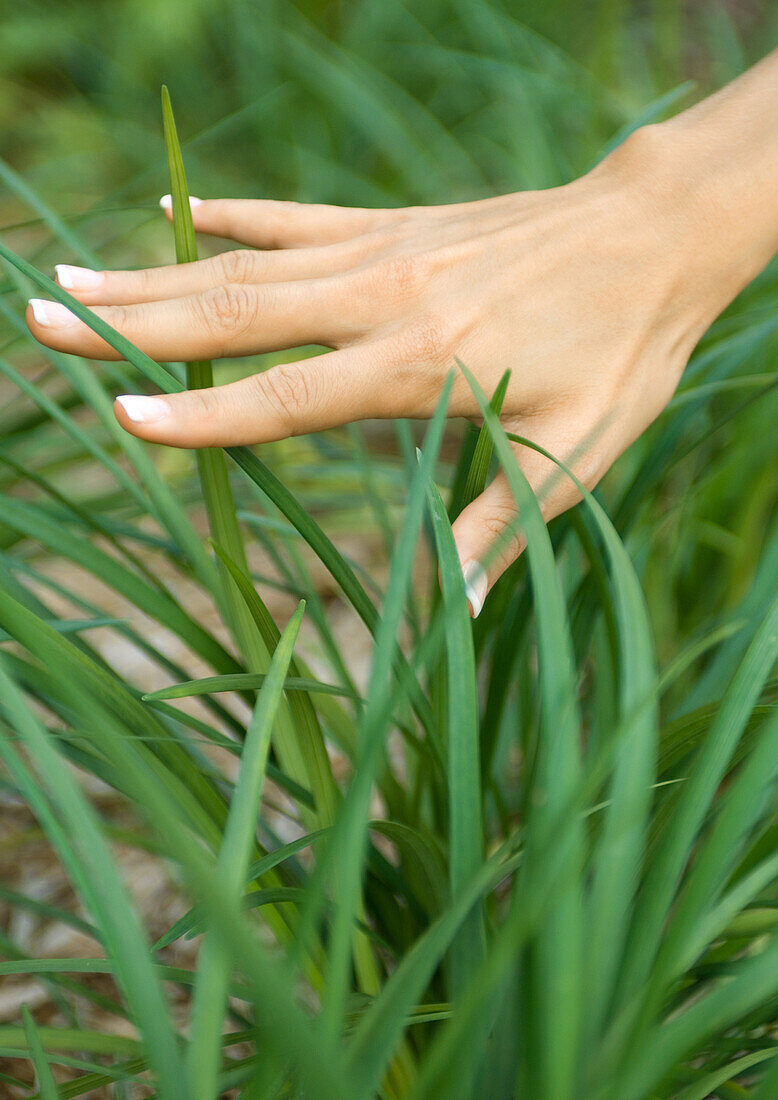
(570, 887)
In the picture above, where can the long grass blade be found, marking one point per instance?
(234, 855)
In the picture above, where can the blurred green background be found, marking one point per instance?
(370, 102)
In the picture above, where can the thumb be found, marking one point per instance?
(290, 399)
(487, 533)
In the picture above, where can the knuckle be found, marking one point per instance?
(402, 276)
(229, 311)
(501, 525)
(238, 265)
(287, 389)
(425, 341)
(118, 317)
(145, 282)
(204, 404)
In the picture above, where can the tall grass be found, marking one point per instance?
(533, 855)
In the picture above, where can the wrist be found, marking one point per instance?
(711, 212)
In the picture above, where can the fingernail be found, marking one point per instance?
(52, 314)
(143, 410)
(166, 202)
(77, 278)
(475, 586)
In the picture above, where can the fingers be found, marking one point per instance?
(241, 266)
(229, 320)
(267, 223)
(486, 533)
(290, 399)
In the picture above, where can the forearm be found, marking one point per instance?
(720, 158)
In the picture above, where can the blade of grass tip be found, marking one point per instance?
(210, 993)
(46, 1085)
(465, 838)
(307, 764)
(211, 462)
(90, 863)
(469, 482)
(557, 954)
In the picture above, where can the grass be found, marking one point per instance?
(533, 855)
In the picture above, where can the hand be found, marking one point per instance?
(592, 294)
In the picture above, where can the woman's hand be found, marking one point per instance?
(592, 294)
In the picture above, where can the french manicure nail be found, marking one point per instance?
(475, 586)
(77, 278)
(166, 202)
(143, 410)
(52, 314)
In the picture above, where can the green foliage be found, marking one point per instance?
(546, 862)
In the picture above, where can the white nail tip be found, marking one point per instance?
(77, 278)
(39, 311)
(143, 410)
(166, 202)
(52, 313)
(64, 276)
(475, 586)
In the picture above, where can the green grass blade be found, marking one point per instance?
(753, 983)
(478, 469)
(207, 1012)
(238, 681)
(303, 753)
(146, 365)
(380, 1029)
(211, 463)
(465, 835)
(46, 1084)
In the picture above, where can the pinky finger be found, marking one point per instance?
(487, 533)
